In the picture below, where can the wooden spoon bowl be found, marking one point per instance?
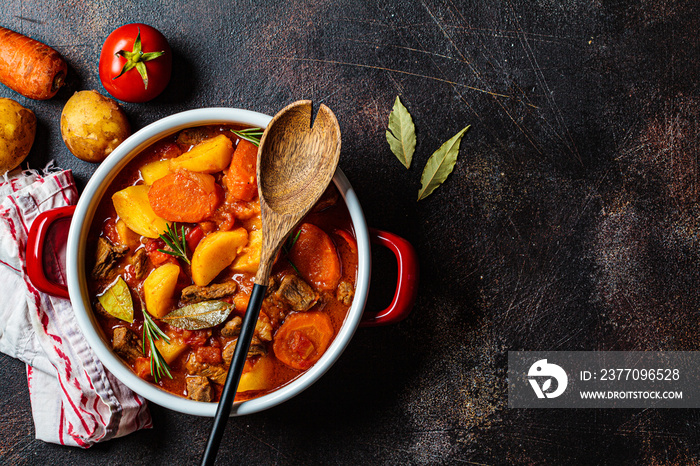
(296, 163)
(298, 179)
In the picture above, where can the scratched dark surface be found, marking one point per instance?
(570, 222)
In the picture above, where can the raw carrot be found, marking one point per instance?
(185, 196)
(241, 179)
(302, 339)
(316, 257)
(29, 67)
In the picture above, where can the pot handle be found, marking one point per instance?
(35, 251)
(406, 283)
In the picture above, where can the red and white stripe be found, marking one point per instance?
(75, 400)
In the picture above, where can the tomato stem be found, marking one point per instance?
(137, 59)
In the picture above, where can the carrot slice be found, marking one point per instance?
(185, 196)
(302, 339)
(241, 179)
(316, 257)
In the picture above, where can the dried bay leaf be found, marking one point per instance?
(116, 300)
(200, 315)
(440, 165)
(401, 133)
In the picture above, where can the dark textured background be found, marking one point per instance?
(569, 223)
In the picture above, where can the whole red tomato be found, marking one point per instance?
(135, 63)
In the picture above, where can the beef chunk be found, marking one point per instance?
(214, 372)
(272, 284)
(126, 343)
(227, 353)
(263, 328)
(296, 293)
(345, 292)
(274, 310)
(140, 262)
(193, 136)
(199, 388)
(106, 257)
(270, 305)
(195, 294)
(257, 348)
(232, 328)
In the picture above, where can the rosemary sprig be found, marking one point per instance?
(152, 332)
(177, 244)
(287, 248)
(249, 134)
(289, 244)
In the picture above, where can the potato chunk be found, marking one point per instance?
(127, 236)
(159, 289)
(133, 208)
(249, 259)
(210, 156)
(258, 378)
(216, 252)
(153, 171)
(170, 351)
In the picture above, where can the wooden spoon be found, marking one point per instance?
(296, 163)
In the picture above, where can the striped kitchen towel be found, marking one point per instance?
(75, 400)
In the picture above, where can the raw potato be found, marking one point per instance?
(210, 156)
(216, 252)
(135, 211)
(159, 289)
(93, 125)
(17, 131)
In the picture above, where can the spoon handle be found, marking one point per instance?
(234, 374)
